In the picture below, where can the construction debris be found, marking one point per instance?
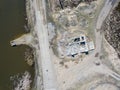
(72, 46)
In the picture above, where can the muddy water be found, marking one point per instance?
(12, 21)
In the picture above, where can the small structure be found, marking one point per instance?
(78, 45)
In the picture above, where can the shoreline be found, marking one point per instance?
(31, 21)
(32, 39)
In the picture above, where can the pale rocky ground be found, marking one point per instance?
(111, 28)
(83, 73)
(87, 72)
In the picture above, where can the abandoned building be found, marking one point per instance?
(77, 46)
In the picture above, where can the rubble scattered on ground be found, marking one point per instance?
(73, 45)
(72, 20)
(68, 22)
(89, 75)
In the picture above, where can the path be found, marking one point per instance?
(49, 81)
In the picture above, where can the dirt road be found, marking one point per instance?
(49, 81)
(91, 65)
(105, 11)
(85, 68)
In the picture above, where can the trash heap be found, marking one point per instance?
(78, 16)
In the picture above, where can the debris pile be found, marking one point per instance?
(73, 46)
(75, 16)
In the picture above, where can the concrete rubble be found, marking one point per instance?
(73, 46)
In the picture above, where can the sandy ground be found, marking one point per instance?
(112, 56)
(49, 80)
(106, 87)
(67, 76)
(84, 70)
(87, 68)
